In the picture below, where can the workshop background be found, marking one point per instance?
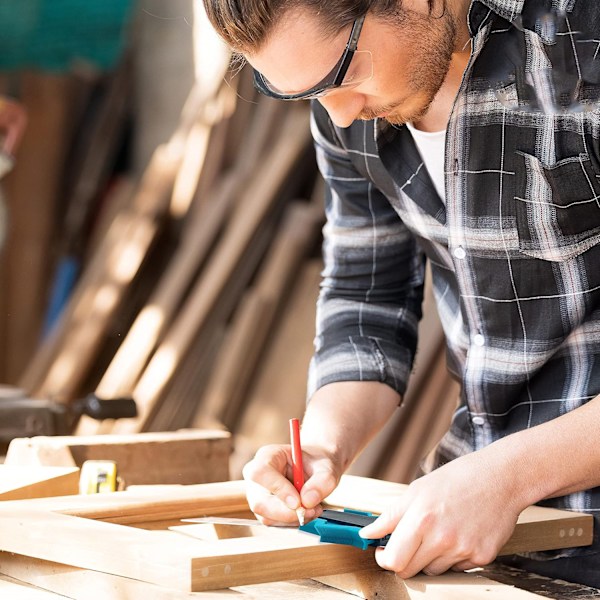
(163, 228)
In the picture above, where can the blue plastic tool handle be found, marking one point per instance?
(332, 531)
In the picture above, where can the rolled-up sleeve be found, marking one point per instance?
(372, 287)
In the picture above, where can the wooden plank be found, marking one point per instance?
(182, 457)
(150, 556)
(17, 483)
(85, 584)
(201, 230)
(155, 503)
(463, 586)
(12, 589)
(260, 559)
(537, 528)
(170, 559)
(368, 584)
(278, 392)
(253, 322)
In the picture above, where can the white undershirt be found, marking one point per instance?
(431, 146)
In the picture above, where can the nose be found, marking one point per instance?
(343, 106)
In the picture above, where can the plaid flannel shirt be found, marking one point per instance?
(514, 247)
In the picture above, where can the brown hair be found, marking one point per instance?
(245, 24)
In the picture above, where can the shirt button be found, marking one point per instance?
(459, 253)
(478, 420)
(478, 340)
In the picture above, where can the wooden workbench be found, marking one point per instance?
(130, 545)
(523, 585)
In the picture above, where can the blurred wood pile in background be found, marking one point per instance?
(194, 285)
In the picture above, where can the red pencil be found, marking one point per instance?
(297, 467)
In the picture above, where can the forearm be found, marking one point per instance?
(342, 417)
(555, 458)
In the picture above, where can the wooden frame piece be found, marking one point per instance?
(178, 457)
(89, 533)
(18, 483)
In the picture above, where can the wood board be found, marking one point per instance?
(179, 457)
(17, 590)
(18, 483)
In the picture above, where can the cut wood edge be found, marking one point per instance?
(18, 483)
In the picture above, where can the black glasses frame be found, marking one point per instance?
(333, 79)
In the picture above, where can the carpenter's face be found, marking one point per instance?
(410, 58)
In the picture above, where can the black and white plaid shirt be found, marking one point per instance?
(514, 248)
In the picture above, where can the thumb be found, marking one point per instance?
(317, 488)
(384, 524)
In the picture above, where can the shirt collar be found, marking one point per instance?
(507, 9)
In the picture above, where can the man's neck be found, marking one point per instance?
(436, 118)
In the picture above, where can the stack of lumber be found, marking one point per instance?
(193, 270)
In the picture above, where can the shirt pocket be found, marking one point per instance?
(557, 207)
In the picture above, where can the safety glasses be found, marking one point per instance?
(353, 68)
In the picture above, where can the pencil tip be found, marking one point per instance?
(300, 512)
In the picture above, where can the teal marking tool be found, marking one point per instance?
(342, 527)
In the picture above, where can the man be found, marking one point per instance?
(467, 133)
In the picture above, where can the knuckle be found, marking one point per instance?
(483, 556)
(463, 549)
(249, 470)
(426, 521)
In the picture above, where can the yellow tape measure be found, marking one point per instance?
(98, 477)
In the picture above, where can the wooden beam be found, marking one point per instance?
(282, 374)
(253, 322)
(179, 457)
(463, 586)
(18, 483)
(85, 584)
(17, 590)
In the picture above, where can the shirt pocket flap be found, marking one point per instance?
(557, 207)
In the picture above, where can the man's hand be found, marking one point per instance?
(457, 517)
(272, 496)
(340, 419)
(13, 121)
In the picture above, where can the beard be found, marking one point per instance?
(433, 41)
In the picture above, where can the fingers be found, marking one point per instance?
(270, 510)
(419, 543)
(320, 483)
(272, 496)
(403, 545)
